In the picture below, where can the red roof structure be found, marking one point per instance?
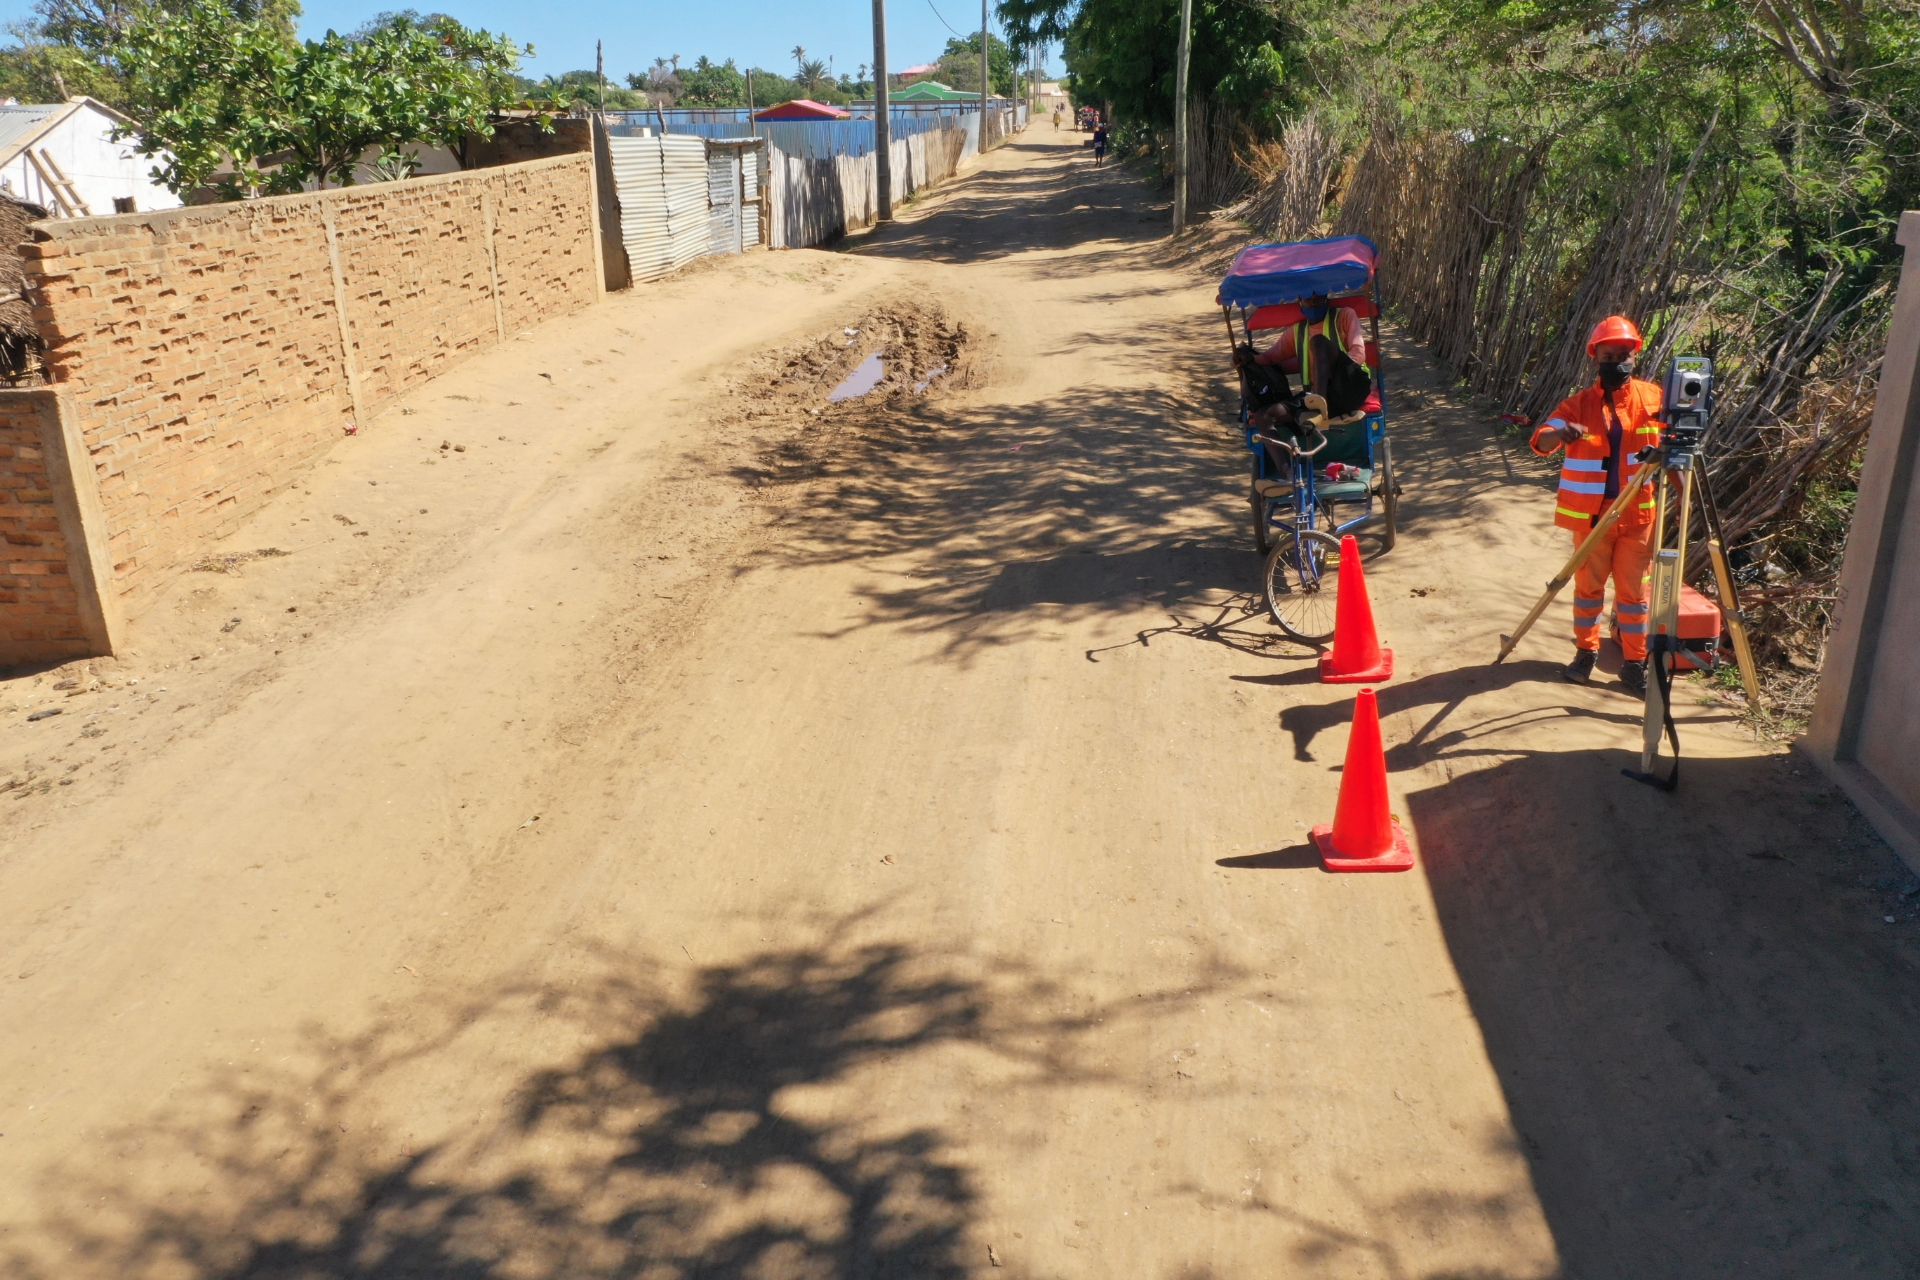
(803, 109)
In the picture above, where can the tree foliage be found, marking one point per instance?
(959, 65)
(1245, 53)
(210, 89)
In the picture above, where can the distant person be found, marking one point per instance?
(1100, 142)
(1056, 117)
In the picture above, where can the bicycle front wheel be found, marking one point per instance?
(1303, 584)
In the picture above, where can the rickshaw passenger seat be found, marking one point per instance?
(1346, 490)
(1347, 443)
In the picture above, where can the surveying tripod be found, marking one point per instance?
(1688, 402)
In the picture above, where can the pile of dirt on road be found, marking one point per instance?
(883, 366)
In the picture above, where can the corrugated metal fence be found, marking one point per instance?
(666, 213)
(683, 196)
(812, 201)
(809, 139)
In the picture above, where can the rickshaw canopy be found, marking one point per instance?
(1266, 274)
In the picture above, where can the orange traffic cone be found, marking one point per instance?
(1357, 657)
(1364, 836)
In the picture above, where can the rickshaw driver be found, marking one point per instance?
(1328, 335)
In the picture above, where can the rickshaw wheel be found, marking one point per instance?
(1302, 584)
(1262, 531)
(1389, 499)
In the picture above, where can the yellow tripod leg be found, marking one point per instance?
(1736, 625)
(1580, 553)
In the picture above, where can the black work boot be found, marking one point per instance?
(1633, 675)
(1580, 670)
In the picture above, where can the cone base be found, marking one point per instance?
(1373, 674)
(1398, 858)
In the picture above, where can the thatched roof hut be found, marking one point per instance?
(19, 340)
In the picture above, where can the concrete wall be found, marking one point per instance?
(1865, 731)
(205, 357)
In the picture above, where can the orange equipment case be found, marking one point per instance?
(1700, 626)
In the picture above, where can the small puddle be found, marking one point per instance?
(927, 381)
(862, 380)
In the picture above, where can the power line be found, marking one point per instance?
(944, 22)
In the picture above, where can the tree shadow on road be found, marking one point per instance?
(716, 1126)
(997, 213)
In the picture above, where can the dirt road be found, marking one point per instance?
(685, 827)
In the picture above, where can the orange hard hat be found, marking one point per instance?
(1614, 329)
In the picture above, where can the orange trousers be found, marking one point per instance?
(1625, 556)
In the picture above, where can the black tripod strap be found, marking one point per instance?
(1663, 675)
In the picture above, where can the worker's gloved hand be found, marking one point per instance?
(1570, 433)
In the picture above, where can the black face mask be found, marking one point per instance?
(1614, 373)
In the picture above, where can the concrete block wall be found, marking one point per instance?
(207, 356)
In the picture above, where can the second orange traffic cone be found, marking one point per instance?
(1357, 657)
(1364, 836)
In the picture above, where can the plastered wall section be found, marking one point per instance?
(209, 355)
(1865, 729)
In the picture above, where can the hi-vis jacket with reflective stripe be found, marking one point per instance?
(1583, 473)
(1333, 325)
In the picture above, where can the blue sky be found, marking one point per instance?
(752, 32)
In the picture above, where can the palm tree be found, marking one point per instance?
(812, 72)
(800, 57)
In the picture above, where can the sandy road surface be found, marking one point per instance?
(650, 840)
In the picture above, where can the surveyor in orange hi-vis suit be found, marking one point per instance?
(1601, 428)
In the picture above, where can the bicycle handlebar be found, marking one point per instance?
(1292, 446)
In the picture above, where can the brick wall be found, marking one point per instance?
(200, 351)
(41, 607)
(49, 609)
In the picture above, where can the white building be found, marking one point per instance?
(62, 157)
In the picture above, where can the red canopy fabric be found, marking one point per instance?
(1266, 274)
(803, 109)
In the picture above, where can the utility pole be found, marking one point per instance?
(1180, 148)
(600, 73)
(882, 117)
(985, 82)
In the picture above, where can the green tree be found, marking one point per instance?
(209, 89)
(1246, 53)
(42, 70)
(770, 87)
(959, 65)
(204, 88)
(710, 84)
(97, 25)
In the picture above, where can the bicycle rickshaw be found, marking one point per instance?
(1299, 514)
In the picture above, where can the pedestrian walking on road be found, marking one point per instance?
(1601, 428)
(1100, 142)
